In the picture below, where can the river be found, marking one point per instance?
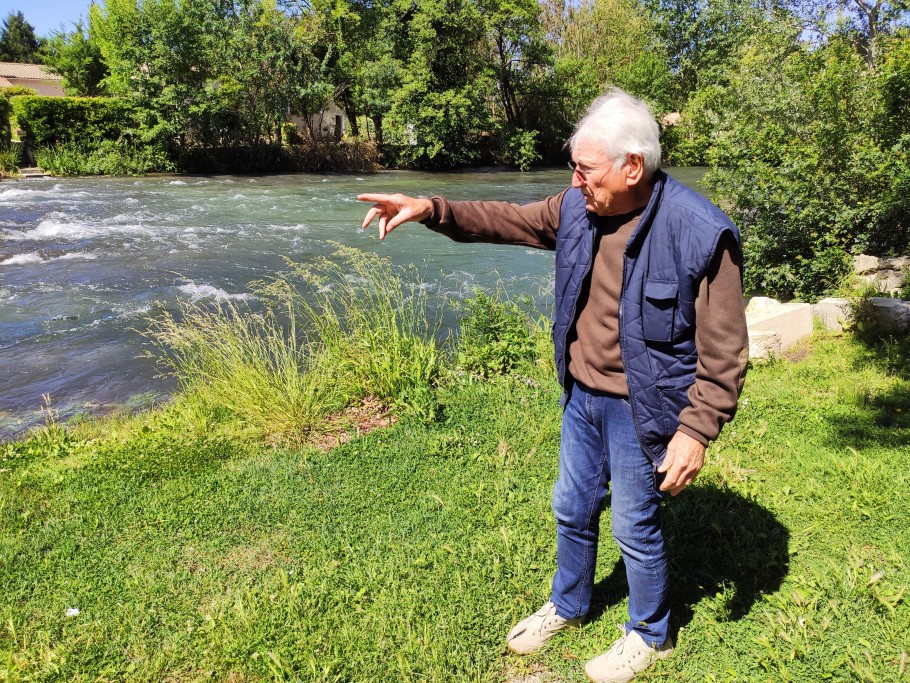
(83, 261)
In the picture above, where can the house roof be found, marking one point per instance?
(4, 83)
(35, 72)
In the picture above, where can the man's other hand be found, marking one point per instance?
(395, 209)
(685, 458)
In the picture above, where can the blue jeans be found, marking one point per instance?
(599, 446)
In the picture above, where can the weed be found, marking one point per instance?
(498, 336)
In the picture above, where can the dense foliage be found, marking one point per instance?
(48, 121)
(800, 106)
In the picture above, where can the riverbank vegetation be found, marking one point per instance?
(214, 539)
(799, 107)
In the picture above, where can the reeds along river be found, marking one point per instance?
(82, 261)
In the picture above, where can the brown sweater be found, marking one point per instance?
(595, 360)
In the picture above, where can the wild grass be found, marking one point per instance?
(193, 552)
(329, 335)
(9, 160)
(109, 157)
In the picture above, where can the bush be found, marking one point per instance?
(6, 109)
(81, 121)
(329, 335)
(808, 172)
(10, 159)
(521, 149)
(352, 157)
(498, 336)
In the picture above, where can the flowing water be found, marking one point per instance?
(84, 261)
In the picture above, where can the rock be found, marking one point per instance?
(863, 264)
(886, 275)
(893, 314)
(759, 303)
(834, 312)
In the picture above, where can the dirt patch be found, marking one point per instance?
(797, 353)
(353, 422)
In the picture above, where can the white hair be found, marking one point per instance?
(621, 125)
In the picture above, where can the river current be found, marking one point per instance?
(84, 261)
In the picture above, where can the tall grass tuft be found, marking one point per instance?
(249, 364)
(373, 322)
(330, 334)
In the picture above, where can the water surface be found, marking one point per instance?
(83, 262)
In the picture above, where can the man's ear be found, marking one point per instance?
(635, 169)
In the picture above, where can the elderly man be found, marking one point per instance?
(651, 348)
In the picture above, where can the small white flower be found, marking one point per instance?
(72, 612)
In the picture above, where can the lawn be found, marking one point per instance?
(160, 548)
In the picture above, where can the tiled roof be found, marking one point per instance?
(27, 71)
(4, 83)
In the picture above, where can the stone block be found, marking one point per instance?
(833, 312)
(791, 322)
(763, 345)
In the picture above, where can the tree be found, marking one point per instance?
(813, 157)
(77, 58)
(703, 38)
(441, 111)
(863, 22)
(18, 42)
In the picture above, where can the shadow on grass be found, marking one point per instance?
(719, 543)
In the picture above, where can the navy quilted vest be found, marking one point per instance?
(665, 260)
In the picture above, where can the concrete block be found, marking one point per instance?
(763, 345)
(791, 322)
(834, 312)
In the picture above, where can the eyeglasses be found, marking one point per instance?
(580, 171)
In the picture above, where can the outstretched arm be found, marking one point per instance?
(395, 209)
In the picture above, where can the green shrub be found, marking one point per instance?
(807, 168)
(498, 336)
(330, 335)
(83, 121)
(353, 157)
(521, 149)
(10, 159)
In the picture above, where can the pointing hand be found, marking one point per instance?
(395, 209)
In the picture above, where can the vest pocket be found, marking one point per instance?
(658, 309)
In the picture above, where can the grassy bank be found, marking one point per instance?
(194, 551)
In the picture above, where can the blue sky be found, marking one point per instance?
(47, 15)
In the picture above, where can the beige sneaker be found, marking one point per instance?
(529, 634)
(628, 656)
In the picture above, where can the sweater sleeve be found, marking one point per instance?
(722, 341)
(531, 225)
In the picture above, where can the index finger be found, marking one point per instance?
(373, 197)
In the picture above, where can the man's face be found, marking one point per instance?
(606, 191)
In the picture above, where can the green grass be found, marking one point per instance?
(194, 552)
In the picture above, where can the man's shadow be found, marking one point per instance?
(718, 542)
